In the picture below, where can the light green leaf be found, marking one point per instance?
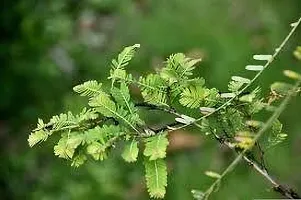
(156, 177)
(36, 137)
(97, 151)
(263, 57)
(192, 96)
(291, 74)
(198, 195)
(178, 67)
(78, 160)
(88, 88)
(66, 146)
(212, 174)
(130, 152)
(104, 105)
(122, 60)
(156, 146)
(153, 89)
(254, 67)
(125, 56)
(122, 97)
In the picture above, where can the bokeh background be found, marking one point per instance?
(48, 46)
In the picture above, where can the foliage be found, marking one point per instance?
(113, 116)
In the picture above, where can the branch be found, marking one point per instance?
(288, 193)
(269, 62)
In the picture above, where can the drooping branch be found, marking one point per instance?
(288, 193)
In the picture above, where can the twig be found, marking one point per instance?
(277, 51)
(288, 193)
(262, 171)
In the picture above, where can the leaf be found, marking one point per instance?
(88, 88)
(254, 67)
(156, 177)
(240, 79)
(297, 53)
(156, 146)
(207, 110)
(212, 174)
(198, 195)
(234, 86)
(122, 60)
(130, 152)
(78, 160)
(212, 98)
(244, 140)
(184, 119)
(87, 114)
(178, 67)
(104, 105)
(192, 96)
(276, 136)
(100, 134)
(228, 95)
(294, 24)
(291, 74)
(122, 97)
(249, 98)
(263, 57)
(153, 89)
(62, 120)
(36, 137)
(125, 56)
(97, 151)
(66, 146)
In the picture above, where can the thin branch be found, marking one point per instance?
(278, 188)
(262, 171)
(276, 53)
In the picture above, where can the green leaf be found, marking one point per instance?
(66, 146)
(122, 60)
(87, 114)
(212, 174)
(156, 146)
(97, 151)
(240, 79)
(156, 177)
(122, 97)
(276, 135)
(153, 89)
(36, 137)
(198, 195)
(291, 74)
(104, 105)
(125, 56)
(88, 88)
(234, 86)
(297, 53)
(263, 57)
(192, 96)
(178, 67)
(78, 160)
(130, 152)
(254, 67)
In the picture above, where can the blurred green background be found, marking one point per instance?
(48, 46)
